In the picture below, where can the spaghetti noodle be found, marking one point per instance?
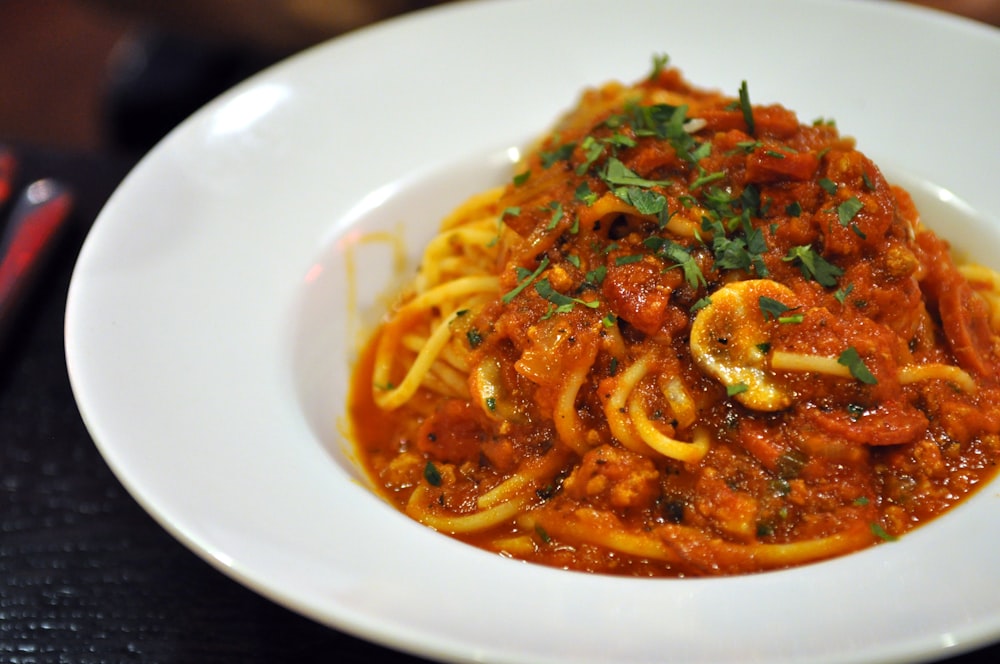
(692, 336)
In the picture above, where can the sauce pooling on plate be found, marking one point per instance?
(691, 336)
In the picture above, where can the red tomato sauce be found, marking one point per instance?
(627, 228)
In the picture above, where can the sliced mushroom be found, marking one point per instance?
(730, 337)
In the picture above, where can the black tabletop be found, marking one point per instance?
(86, 575)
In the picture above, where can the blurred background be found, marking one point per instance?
(117, 74)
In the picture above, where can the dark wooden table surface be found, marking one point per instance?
(86, 576)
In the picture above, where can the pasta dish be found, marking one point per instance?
(691, 336)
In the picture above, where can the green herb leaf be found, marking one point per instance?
(596, 276)
(731, 253)
(660, 62)
(747, 109)
(560, 153)
(432, 474)
(521, 178)
(738, 388)
(592, 151)
(882, 533)
(617, 174)
(525, 278)
(842, 293)
(706, 178)
(852, 360)
(626, 260)
(700, 304)
(474, 337)
(557, 215)
(847, 210)
(585, 195)
(813, 265)
(545, 289)
(680, 256)
(771, 308)
(645, 201)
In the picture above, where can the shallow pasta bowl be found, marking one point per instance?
(217, 307)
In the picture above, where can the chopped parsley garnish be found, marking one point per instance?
(524, 278)
(706, 178)
(701, 304)
(849, 209)
(557, 214)
(747, 109)
(737, 388)
(813, 265)
(771, 308)
(585, 195)
(596, 276)
(850, 359)
(521, 178)
(645, 201)
(491, 404)
(432, 474)
(542, 534)
(592, 151)
(512, 211)
(842, 293)
(828, 185)
(882, 533)
(560, 153)
(741, 251)
(681, 258)
(563, 303)
(617, 174)
(474, 337)
(626, 260)
(793, 209)
(665, 122)
(660, 62)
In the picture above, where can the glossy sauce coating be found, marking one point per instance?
(722, 343)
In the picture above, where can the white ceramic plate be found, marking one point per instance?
(212, 319)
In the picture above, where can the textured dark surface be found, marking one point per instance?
(85, 575)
